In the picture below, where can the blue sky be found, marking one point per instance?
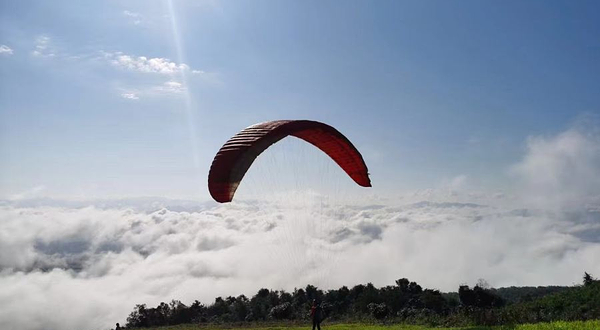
(133, 98)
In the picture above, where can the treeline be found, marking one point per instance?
(405, 302)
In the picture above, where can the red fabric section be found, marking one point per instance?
(235, 157)
(340, 150)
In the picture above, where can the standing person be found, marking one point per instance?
(118, 327)
(316, 314)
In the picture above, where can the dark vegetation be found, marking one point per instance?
(405, 302)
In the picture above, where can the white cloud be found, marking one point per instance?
(561, 171)
(43, 47)
(130, 96)
(136, 18)
(33, 192)
(170, 87)
(157, 66)
(455, 185)
(5, 50)
(144, 64)
(131, 14)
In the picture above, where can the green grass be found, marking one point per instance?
(559, 325)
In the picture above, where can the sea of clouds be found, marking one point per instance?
(86, 264)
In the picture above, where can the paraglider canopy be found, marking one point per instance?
(237, 155)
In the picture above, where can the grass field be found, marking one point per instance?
(588, 325)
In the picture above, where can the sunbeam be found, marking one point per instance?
(190, 115)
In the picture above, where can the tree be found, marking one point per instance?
(179, 313)
(259, 304)
(312, 292)
(138, 318)
(218, 308)
(588, 279)
(433, 299)
(299, 298)
(281, 311)
(241, 308)
(378, 311)
(198, 312)
(482, 283)
(479, 297)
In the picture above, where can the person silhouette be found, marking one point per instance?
(118, 327)
(316, 314)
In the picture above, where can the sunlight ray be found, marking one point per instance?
(190, 115)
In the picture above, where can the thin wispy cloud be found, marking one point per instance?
(33, 192)
(43, 47)
(156, 66)
(135, 18)
(170, 87)
(5, 50)
(130, 96)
